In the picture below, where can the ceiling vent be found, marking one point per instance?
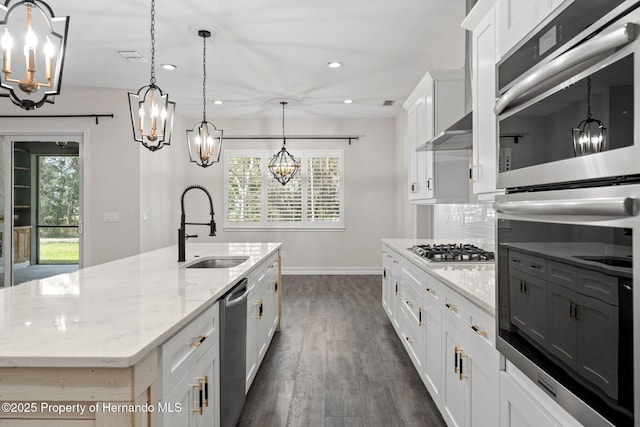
(132, 56)
(388, 103)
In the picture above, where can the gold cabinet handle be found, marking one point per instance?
(397, 292)
(409, 340)
(462, 375)
(200, 339)
(457, 350)
(260, 309)
(478, 331)
(431, 291)
(451, 307)
(198, 409)
(420, 310)
(205, 381)
(409, 303)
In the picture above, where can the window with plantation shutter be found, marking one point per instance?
(314, 198)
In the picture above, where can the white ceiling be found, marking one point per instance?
(266, 50)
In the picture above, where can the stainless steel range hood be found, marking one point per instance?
(458, 135)
(455, 137)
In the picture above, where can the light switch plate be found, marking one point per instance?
(111, 217)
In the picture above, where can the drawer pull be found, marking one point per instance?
(396, 288)
(462, 376)
(431, 291)
(205, 379)
(260, 305)
(409, 340)
(451, 307)
(409, 303)
(199, 341)
(395, 262)
(275, 286)
(478, 331)
(420, 310)
(535, 266)
(456, 350)
(198, 410)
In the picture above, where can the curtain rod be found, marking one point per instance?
(50, 116)
(346, 137)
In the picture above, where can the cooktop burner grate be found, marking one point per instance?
(455, 252)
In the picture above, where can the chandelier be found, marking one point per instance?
(283, 166)
(35, 20)
(151, 110)
(204, 140)
(590, 136)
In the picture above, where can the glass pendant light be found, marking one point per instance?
(590, 136)
(45, 41)
(283, 166)
(151, 110)
(204, 140)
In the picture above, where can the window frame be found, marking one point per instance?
(305, 224)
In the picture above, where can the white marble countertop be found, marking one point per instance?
(113, 314)
(474, 281)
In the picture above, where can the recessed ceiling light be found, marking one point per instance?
(334, 64)
(218, 102)
(348, 101)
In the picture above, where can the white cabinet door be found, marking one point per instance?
(523, 404)
(425, 132)
(253, 310)
(412, 155)
(433, 354)
(516, 18)
(485, 141)
(456, 398)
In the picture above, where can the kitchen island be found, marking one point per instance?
(93, 336)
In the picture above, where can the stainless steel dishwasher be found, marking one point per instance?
(233, 353)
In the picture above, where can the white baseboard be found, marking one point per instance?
(331, 271)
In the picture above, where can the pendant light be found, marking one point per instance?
(44, 28)
(204, 140)
(283, 166)
(590, 136)
(151, 110)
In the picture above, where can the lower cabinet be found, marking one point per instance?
(523, 404)
(263, 315)
(450, 341)
(194, 400)
(189, 382)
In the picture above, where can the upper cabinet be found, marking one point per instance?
(516, 18)
(436, 176)
(484, 158)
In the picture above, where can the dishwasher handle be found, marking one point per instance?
(237, 295)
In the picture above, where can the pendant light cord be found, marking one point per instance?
(588, 98)
(204, 79)
(284, 140)
(153, 42)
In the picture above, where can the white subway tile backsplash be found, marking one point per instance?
(470, 223)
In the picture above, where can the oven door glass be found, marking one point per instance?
(565, 303)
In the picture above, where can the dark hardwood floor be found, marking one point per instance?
(337, 362)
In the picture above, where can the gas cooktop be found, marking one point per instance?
(454, 252)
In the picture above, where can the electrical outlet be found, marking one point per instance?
(111, 217)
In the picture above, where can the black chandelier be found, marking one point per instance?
(151, 110)
(204, 140)
(38, 24)
(283, 166)
(590, 136)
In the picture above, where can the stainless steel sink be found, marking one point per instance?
(218, 262)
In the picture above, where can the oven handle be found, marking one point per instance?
(590, 49)
(610, 207)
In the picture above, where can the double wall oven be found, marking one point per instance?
(569, 222)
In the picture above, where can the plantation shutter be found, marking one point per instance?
(284, 202)
(244, 189)
(323, 189)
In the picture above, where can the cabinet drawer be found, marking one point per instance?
(482, 326)
(413, 300)
(413, 338)
(562, 274)
(537, 266)
(181, 352)
(517, 261)
(597, 285)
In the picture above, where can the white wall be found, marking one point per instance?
(370, 193)
(113, 164)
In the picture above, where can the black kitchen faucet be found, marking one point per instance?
(182, 235)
